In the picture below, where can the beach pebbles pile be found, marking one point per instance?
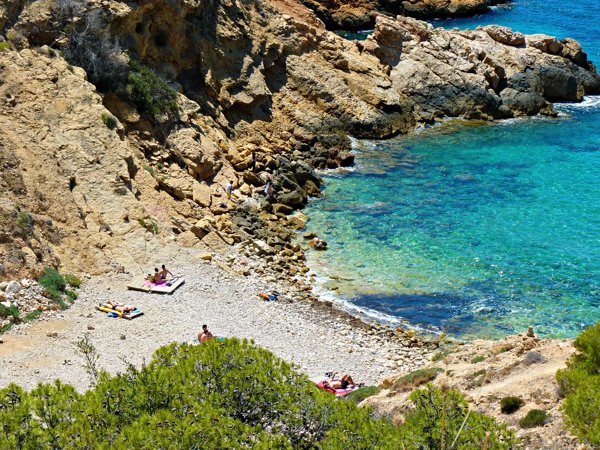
(27, 296)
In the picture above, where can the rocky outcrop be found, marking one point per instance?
(360, 14)
(263, 95)
(487, 371)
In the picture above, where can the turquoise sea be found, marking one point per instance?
(477, 230)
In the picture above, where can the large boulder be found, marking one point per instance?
(544, 43)
(572, 50)
(294, 199)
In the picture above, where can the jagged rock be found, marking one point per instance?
(572, 50)
(216, 243)
(544, 43)
(187, 239)
(504, 35)
(205, 256)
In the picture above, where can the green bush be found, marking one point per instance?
(415, 378)
(109, 121)
(509, 405)
(54, 284)
(4, 46)
(73, 280)
(72, 295)
(534, 418)
(221, 394)
(442, 420)
(580, 384)
(24, 220)
(32, 315)
(10, 311)
(478, 359)
(360, 394)
(151, 93)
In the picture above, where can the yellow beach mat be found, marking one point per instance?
(129, 315)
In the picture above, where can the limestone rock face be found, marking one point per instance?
(265, 93)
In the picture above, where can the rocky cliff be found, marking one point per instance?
(360, 14)
(92, 182)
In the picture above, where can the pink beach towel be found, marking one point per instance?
(338, 392)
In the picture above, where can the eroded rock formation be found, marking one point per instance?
(265, 92)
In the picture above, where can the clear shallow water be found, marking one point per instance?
(476, 230)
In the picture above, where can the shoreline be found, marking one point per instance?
(315, 336)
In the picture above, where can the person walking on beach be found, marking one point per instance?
(229, 190)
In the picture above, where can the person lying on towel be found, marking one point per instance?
(344, 382)
(122, 308)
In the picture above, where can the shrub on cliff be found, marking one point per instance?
(580, 383)
(443, 420)
(150, 92)
(509, 405)
(88, 45)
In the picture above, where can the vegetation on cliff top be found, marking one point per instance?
(222, 394)
(580, 383)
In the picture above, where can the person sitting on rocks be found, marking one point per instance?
(120, 307)
(205, 335)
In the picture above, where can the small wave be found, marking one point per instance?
(589, 103)
(364, 313)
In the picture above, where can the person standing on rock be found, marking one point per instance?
(253, 160)
(269, 189)
(229, 190)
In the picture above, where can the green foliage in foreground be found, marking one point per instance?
(151, 93)
(225, 394)
(442, 420)
(221, 394)
(580, 383)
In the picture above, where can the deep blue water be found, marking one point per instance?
(476, 230)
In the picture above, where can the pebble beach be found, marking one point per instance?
(315, 338)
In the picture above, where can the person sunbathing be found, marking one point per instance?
(120, 307)
(205, 335)
(343, 382)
